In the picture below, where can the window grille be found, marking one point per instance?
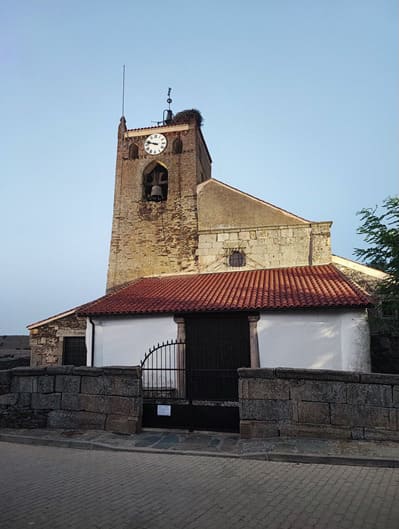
(237, 258)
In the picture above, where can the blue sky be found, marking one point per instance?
(299, 101)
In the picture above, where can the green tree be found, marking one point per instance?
(380, 229)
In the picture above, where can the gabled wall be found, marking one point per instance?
(47, 339)
(270, 237)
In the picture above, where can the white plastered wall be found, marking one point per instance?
(125, 341)
(315, 340)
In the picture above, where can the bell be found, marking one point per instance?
(156, 193)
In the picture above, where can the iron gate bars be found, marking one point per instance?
(164, 371)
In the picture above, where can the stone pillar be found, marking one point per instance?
(253, 340)
(181, 329)
(181, 357)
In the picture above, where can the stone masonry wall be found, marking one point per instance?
(318, 403)
(265, 247)
(151, 238)
(46, 341)
(67, 397)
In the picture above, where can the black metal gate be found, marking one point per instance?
(180, 392)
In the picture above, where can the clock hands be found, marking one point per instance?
(155, 144)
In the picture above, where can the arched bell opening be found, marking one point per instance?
(155, 182)
(133, 151)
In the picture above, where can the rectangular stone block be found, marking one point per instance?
(396, 396)
(45, 384)
(379, 378)
(70, 401)
(122, 406)
(88, 371)
(314, 412)
(5, 381)
(369, 394)
(46, 401)
(99, 385)
(270, 389)
(23, 384)
(258, 430)
(76, 420)
(67, 383)
(264, 430)
(122, 424)
(357, 433)
(9, 399)
(24, 400)
(247, 372)
(318, 391)
(246, 429)
(22, 418)
(59, 370)
(363, 416)
(376, 434)
(95, 403)
(124, 386)
(28, 371)
(320, 431)
(266, 410)
(317, 374)
(134, 371)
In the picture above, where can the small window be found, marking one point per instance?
(237, 258)
(177, 147)
(155, 183)
(74, 351)
(388, 310)
(133, 151)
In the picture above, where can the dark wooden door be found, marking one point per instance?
(217, 345)
(74, 351)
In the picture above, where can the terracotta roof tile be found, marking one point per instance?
(272, 289)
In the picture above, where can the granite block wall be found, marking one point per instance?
(318, 403)
(108, 398)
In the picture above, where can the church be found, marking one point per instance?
(239, 281)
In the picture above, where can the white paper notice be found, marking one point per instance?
(164, 409)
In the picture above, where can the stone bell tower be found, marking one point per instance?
(155, 220)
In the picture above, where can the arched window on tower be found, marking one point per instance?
(177, 147)
(155, 183)
(133, 151)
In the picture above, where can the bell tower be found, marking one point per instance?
(155, 220)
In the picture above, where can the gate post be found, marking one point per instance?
(180, 356)
(253, 340)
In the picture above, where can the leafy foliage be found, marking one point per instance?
(380, 228)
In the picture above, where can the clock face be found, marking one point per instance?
(155, 144)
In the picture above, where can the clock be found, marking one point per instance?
(155, 144)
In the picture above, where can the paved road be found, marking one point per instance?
(60, 488)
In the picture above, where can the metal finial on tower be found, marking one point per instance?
(167, 113)
(123, 90)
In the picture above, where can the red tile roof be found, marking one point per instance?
(281, 288)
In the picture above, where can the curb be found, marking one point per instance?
(256, 456)
(324, 459)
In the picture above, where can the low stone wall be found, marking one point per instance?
(108, 398)
(318, 403)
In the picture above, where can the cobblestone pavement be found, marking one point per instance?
(60, 488)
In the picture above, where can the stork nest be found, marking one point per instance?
(188, 116)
